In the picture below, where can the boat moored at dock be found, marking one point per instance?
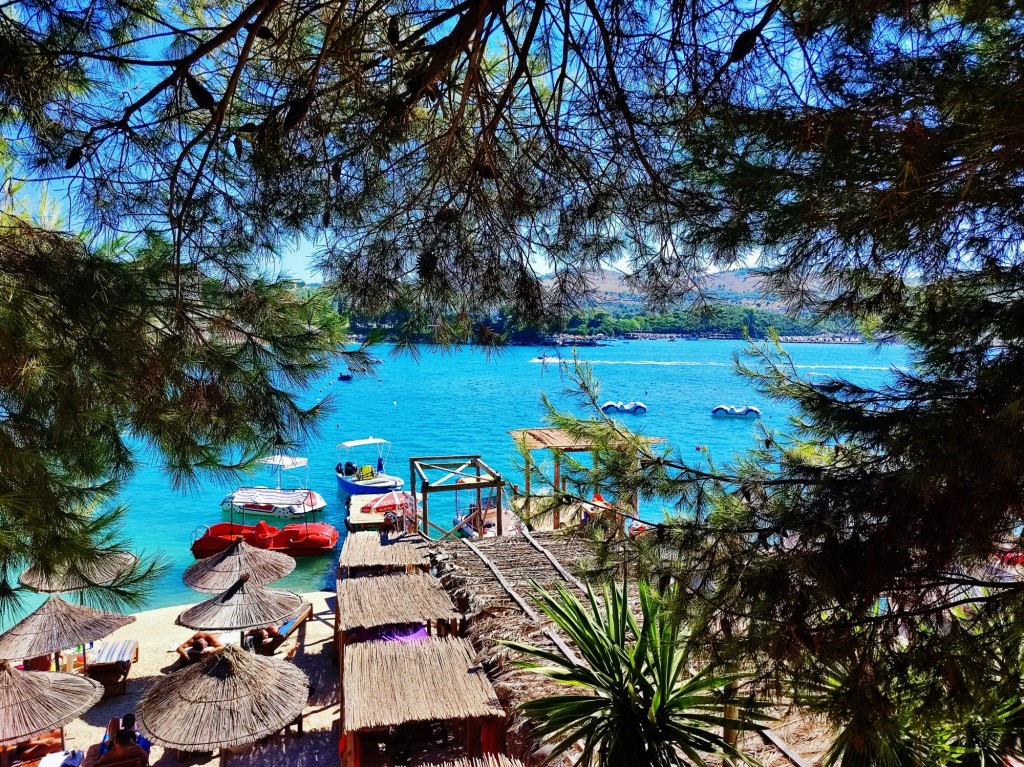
(362, 480)
(276, 501)
(297, 540)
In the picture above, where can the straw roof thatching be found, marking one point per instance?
(57, 625)
(392, 600)
(32, 702)
(230, 698)
(113, 565)
(492, 614)
(393, 683)
(243, 606)
(553, 438)
(221, 571)
(365, 550)
(487, 760)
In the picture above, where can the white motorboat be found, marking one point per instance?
(276, 501)
(367, 478)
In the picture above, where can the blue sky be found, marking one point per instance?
(297, 262)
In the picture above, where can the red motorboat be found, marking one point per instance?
(297, 540)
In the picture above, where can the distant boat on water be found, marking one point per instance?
(734, 411)
(633, 408)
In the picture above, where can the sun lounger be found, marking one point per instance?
(287, 629)
(110, 665)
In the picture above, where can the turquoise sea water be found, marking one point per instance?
(465, 402)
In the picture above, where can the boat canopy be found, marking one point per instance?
(360, 442)
(272, 496)
(286, 462)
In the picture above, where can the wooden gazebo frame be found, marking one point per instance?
(558, 441)
(451, 469)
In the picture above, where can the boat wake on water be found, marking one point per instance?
(709, 364)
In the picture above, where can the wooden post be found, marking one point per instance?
(501, 512)
(557, 522)
(482, 519)
(426, 515)
(526, 503)
(473, 732)
(412, 487)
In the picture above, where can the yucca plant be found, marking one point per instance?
(638, 704)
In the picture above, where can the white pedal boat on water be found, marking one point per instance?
(734, 411)
(276, 501)
(635, 408)
(364, 479)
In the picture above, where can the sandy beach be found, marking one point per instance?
(157, 636)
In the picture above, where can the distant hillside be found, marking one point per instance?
(738, 287)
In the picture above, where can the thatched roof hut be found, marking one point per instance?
(243, 606)
(113, 566)
(391, 600)
(388, 684)
(493, 614)
(363, 550)
(57, 625)
(222, 570)
(230, 698)
(32, 702)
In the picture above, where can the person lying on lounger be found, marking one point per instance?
(124, 748)
(200, 642)
(256, 638)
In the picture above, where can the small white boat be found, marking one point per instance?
(733, 411)
(276, 501)
(635, 408)
(367, 478)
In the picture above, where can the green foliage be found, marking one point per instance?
(108, 352)
(638, 702)
(856, 557)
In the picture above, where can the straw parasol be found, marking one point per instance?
(113, 566)
(231, 698)
(57, 625)
(32, 702)
(243, 606)
(221, 571)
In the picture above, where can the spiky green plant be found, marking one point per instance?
(639, 703)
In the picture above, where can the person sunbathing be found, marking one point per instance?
(257, 638)
(124, 748)
(126, 722)
(201, 642)
(38, 746)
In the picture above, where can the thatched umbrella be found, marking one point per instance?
(113, 566)
(243, 606)
(221, 571)
(57, 625)
(230, 698)
(32, 702)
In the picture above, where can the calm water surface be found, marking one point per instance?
(463, 402)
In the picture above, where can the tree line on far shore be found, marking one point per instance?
(719, 320)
